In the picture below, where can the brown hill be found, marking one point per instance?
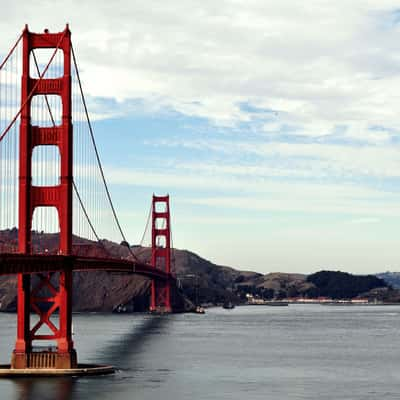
(273, 285)
(102, 291)
(199, 280)
(93, 291)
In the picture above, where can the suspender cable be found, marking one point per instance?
(11, 51)
(33, 89)
(85, 212)
(45, 96)
(147, 225)
(97, 155)
(73, 183)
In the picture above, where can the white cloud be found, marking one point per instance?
(321, 204)
(365, 220)
(262, 195)
(284, 159)
(318, 64)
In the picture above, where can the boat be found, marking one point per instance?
(228, 305)
(199, 310)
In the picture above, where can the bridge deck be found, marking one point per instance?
(11, 264)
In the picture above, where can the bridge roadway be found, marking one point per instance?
(14, 263)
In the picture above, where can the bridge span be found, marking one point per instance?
(49, 160)
(14, 263)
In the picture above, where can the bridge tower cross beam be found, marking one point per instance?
(31, 197)
(160, 299)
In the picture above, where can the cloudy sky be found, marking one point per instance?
(273, 125)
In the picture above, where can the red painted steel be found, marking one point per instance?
(47, 279)
(160, 300)
(12, 263)
(59, 196)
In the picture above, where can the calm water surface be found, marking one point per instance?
(285, 353)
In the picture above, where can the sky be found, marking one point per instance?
(274, 126)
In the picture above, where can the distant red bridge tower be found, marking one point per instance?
(160, 300)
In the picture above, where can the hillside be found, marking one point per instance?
(200, 280)
(276, 285)
(391, 278)
(341, 285)
(102, 291)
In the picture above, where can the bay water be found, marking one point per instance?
(251, 352)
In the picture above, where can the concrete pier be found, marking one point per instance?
(82, 370)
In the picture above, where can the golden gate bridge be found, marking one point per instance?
(52, 180)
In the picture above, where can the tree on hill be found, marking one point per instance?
(342, 285)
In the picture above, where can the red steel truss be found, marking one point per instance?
(55, 290)
(160, 300)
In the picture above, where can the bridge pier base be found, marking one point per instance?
(41, 359)
(45, 293)
(160, 300)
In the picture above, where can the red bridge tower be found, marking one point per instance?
(52, 292)
(160, 300)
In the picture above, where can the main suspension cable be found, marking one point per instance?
(73, 183)
(45, 96)
(172, 248)
(147, 225)
(11, 52)
(33, 89)
(98, 156)
(86, 214)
